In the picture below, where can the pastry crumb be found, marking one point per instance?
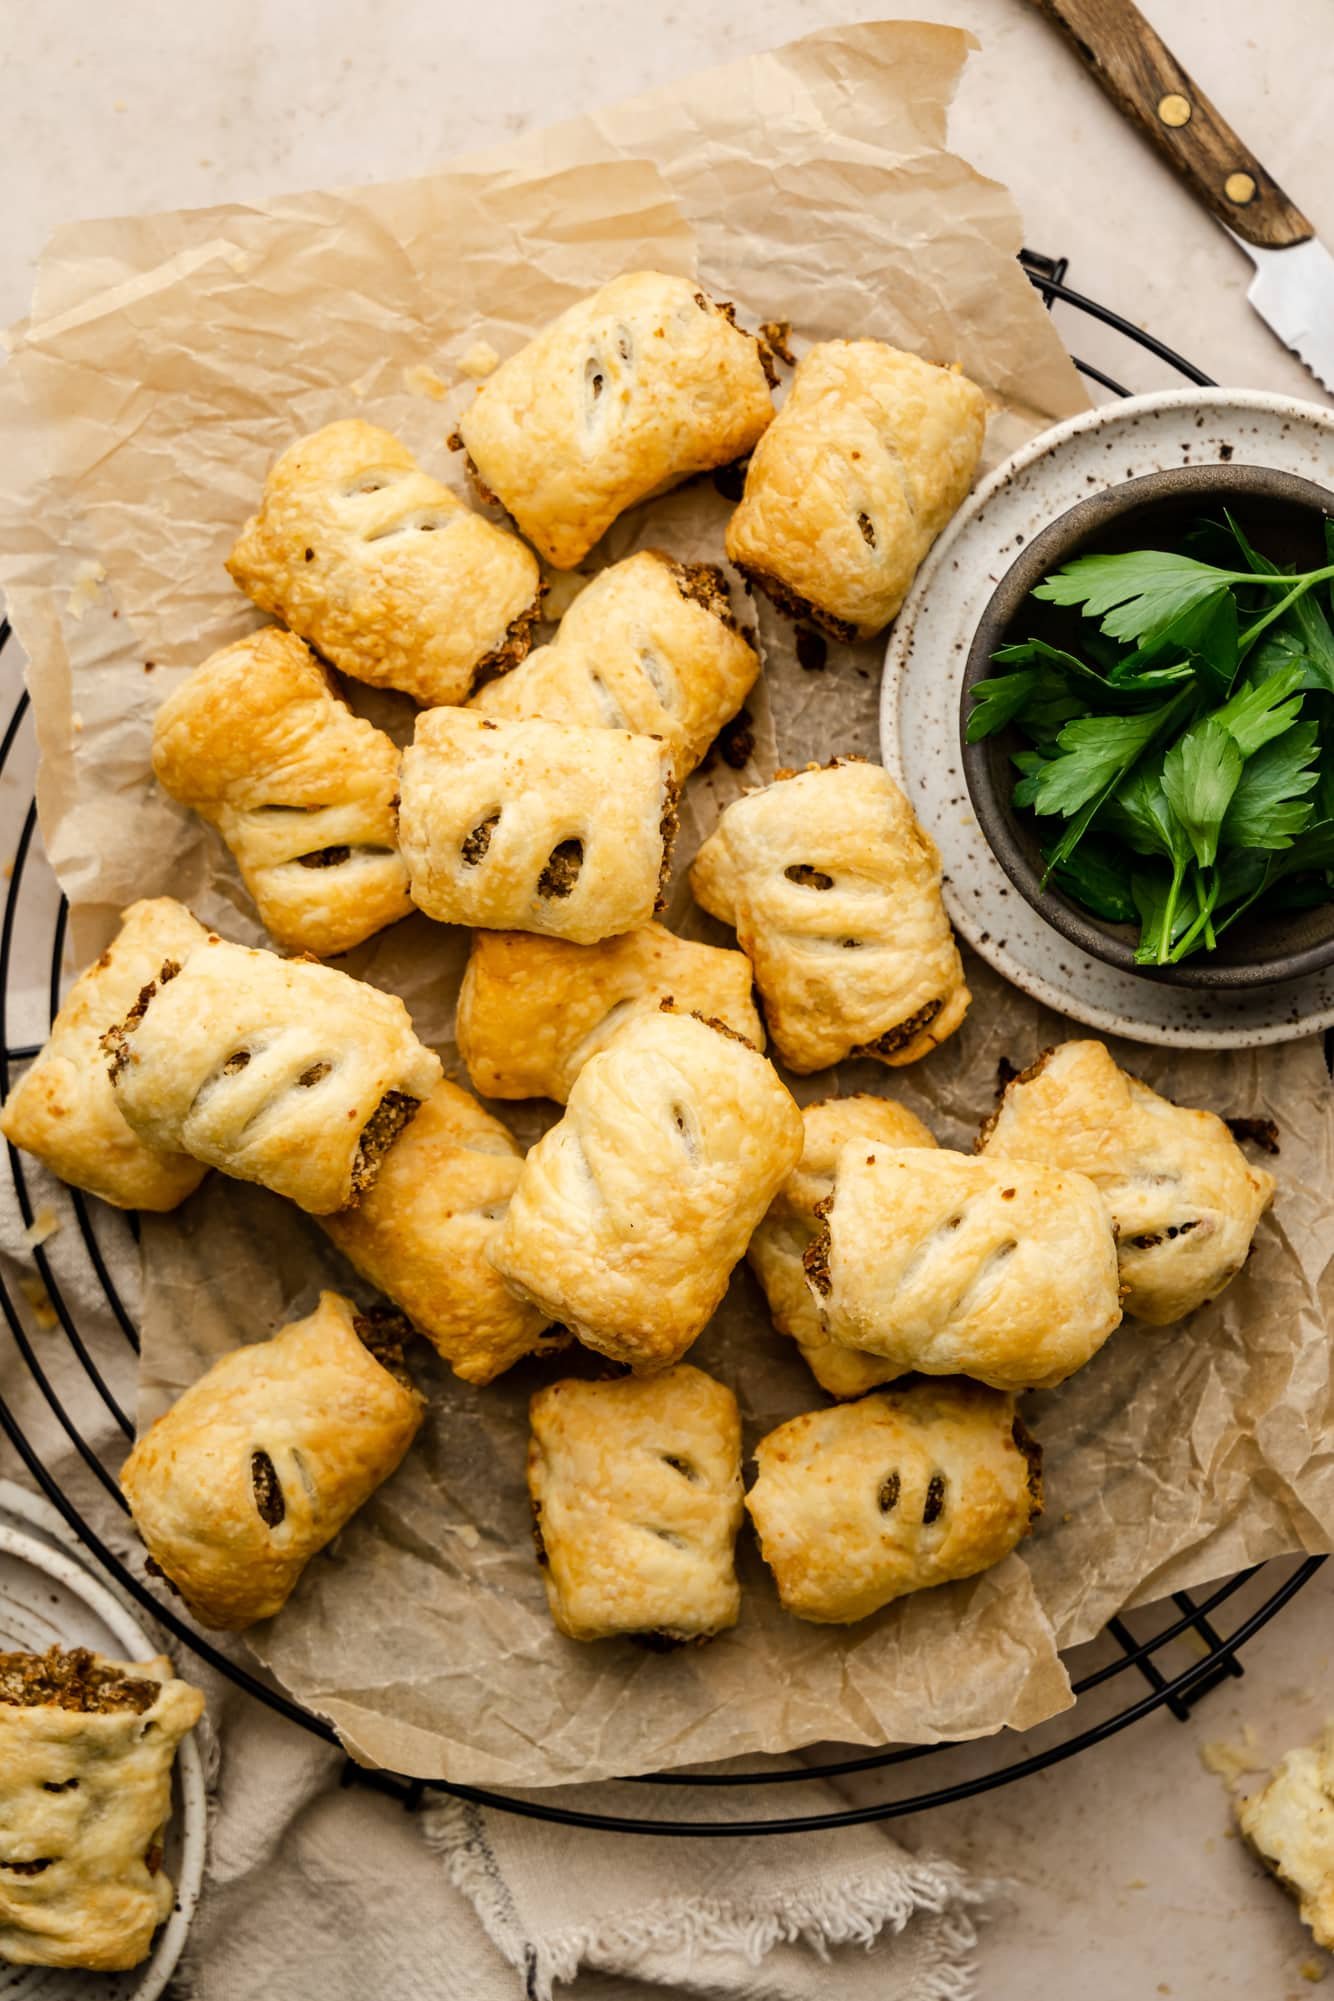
(39, 1299)
(1313, 1970)
(420, 380)
(88, 580)
(480, 360)
(1231, 1762)
(43, 1225)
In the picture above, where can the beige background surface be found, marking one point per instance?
(1129, 1887)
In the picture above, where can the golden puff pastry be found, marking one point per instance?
(1184, 1199)
(536, 826)
(792, 1225)
(630, 1214)
(636, 1492)
(302, 791)
(1007, 1274)
(384, 569)
(1290, 1825)
(420, 1236)
(531, 1011)
(868, 458)
(86, 1751)
(650, 645)
(274, 1070)
(861, 1504)
(834, 891)
(64, 1110)
(261, 1462)
(627, 393)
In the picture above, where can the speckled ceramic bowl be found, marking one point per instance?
(1283, 516)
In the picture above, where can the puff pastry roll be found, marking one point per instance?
(627, 393)
(532, 1011)
(420, 1235)
(261, 1462)
(636, 1492)
(834, 892)
(274, 1070)
(868, 458)
(303, 792)
(536, 826)
(64, 1110)
(86, 1751)
(631, 1212)
(1184, 1199)
(384, 569)
(1290, 1826)
(861, 1504)
(650, 645)
(1008, 1275)
(792, 1225)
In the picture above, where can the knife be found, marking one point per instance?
(1293, 287)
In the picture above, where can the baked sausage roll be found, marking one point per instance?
(1290, 1826)
(1184, 1199)
(651, 645)
(532, 1010)
(274, 1070)
(792, 1225)
(384, 569)
(636, 1492)
(1008, 1275)
(861, 1504)
(536, 826)
(868, 458)
(64, 1110)
(303, 792)
(420, 1235)
(86, 1751)
(627, 393)
(261, 1462)
(631, 1212)
(834, 891)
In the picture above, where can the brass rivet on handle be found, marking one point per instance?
(1239, 188)
(1174, 109)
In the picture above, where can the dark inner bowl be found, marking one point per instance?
(1283, 517)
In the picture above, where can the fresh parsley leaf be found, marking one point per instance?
(1095, 750)
(1108, 690)
(1139, 812)
(996, 703)
(1164, 914)
(1270, 806)
(1201, 772)
(1140, 594)
(1261, 710)
(1097, 878)
(1030, 763)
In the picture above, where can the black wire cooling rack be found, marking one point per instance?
(85, 1384)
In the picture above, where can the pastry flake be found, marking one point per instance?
(1183, 1196)
(1008, 1274)
(383, 569)
(261, 1462)
(273, 1070)
(650, 645)
(627, 393)
(631, 1212)
(532, 1010)
(536, 826)
(860, 1504)
(870, 455)
(64, 1110)
(791, 1226)
(636, 1493)
(420, 1235)
(834, 892)
(86, 1750)
(1290, 1825)
(303, 792)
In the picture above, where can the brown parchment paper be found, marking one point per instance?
(167, 360)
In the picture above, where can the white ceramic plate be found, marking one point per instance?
(919, 713)
(48, 1597)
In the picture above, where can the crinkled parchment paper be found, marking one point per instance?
(167, 360)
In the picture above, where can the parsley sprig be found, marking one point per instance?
(1188, 746)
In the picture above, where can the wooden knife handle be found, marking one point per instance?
(1145, 80)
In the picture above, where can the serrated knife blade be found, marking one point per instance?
(1293, 292)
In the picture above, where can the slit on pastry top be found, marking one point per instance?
(834, 892)
(531, 1010)
(536, 826)
(650, 645)
(303, 792)
(382, 568)
(273, 1070)
(263, 1460)
(628, 392)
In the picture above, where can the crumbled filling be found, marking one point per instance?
(1264, 1132)
(267, 1488)
(478, 841)
(114, 1042)
(514, 647)
(75, 1680)
(668, 826)
(815, 1257)
(479, 487)
(704, 584)
(539, 1546)
(1032, 1452)
(668, 1006)
(812, 649)
(309, 1078)
(728, 311)
(1006, 1074)
(808, 877)
(394, 1111)
(777, 337)
(1151, 1239)
(735, 741)
(935, 1500)
(793, 605)
(561, 873)
(333, 857)
(384, 1334)
(902, 1033)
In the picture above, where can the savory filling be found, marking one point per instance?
(270, 1501)
(1032, 1452)
(704, 584)
(478, 841)
(735, 741)
(114, 1042)
(815, 1257)
(1151, 1239)
(668, 826)
(394, 1111)
(793, 605)
(902, 1033)
(808, 877)
(384, 1334)
(514, 647)
(561, 873)
(728, 311)
(1005, 1076)
(777, 337)
(76, 1680)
